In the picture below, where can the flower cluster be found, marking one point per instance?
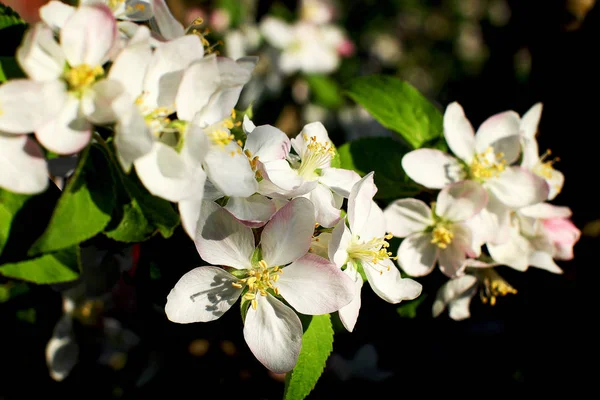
(494, 193)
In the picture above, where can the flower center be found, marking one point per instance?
(258, 280)
(442, 236)
(316, 156)
(545, 167)
(493, 286)
(82, 77)
(487, 165)
(371, 252)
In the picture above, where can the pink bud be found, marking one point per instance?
(563, 234)
(346, 48)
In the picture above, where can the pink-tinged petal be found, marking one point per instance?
(254, 211)
(386, 282)
(546, 211)
(315, 286)
(165, 174)
(338, 245)
(326, 212)
(288, 234)
(417, 255)
(89, 35)
(349, 314)
(99, 103)
(359, 203)
(273, 333)
(460, 201)
(432, 168)
(221, 239)
(530, 121)
(165, 72)
(201, 295)
(23, 168)
(55, 14)
(69, 132)
(27, 105)
(451, 291)
(131, 64)
(133, 138)
(200, 80)
(563, 234)
(514, 252)
(168, 26)
(543, 260)
(189, 211)
(266, 142)
(491, 224)
(229, 170)
(501, 132)
(39, 55)
(314, 130)
(376, 225)
(339, 180)
(516, 187)
(459, 132)
(407, 216)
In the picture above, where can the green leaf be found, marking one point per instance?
(12, 29)
(408, 309)
(325, 91)
(85, 206)
(61, 266)
(10, 204)
(398, 106)
(9, 17)
(317, 344)
(10, 69)
(384, 156)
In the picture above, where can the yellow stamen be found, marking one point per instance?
(493, 286)
(487, 164)
(441, 236)
(371, 252)
(83, 76)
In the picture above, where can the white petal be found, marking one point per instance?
(164, 74)
(189, 211)
(165, 174)
(458, 309)
(249, 126)
(277, 32)
(200, 80)
(452, 258)
(543, 260)
(267, 143)
(282, 175)
(26, 105)
(326, 212)
(55, 14)
(514, 252)
(389, 285)
(62, 350)
(349, 314)
(432, 168)
(338, 245)
(501, 132)
(169, 27)
(133, 138)
(516, 187)
(459, 132)
(531, 157)
(376, 226)
(195, 146)
(130, 66)
(88, 35)
(221, 239)
(69, 132)
(314, 130)
(230, 171)
(417, 255)
(99, 103)
(201, 295)
(460, 201)
(530, 121)
(451, 291)
(546, 211)
(359, 203)
(253, 211)
(22, 165)
(339, 180)
(288, 234)
(315, 286)
(273, 333)
(407, 216)
(491, 224)
(555, 182)
(39, 55)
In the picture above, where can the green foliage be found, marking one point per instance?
(382, 155)
(60, 266)
(317, 344)
(12, 29)
(408, 309)
(237, 10)
(325, 91)
(10, 204)
(85, 206)
(9, 17)
(9, 69)
(398, 106)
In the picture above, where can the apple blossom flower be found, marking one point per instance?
(486, 158)
(362, 246)
(439, 235)
(532, 161)
(280, 266)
